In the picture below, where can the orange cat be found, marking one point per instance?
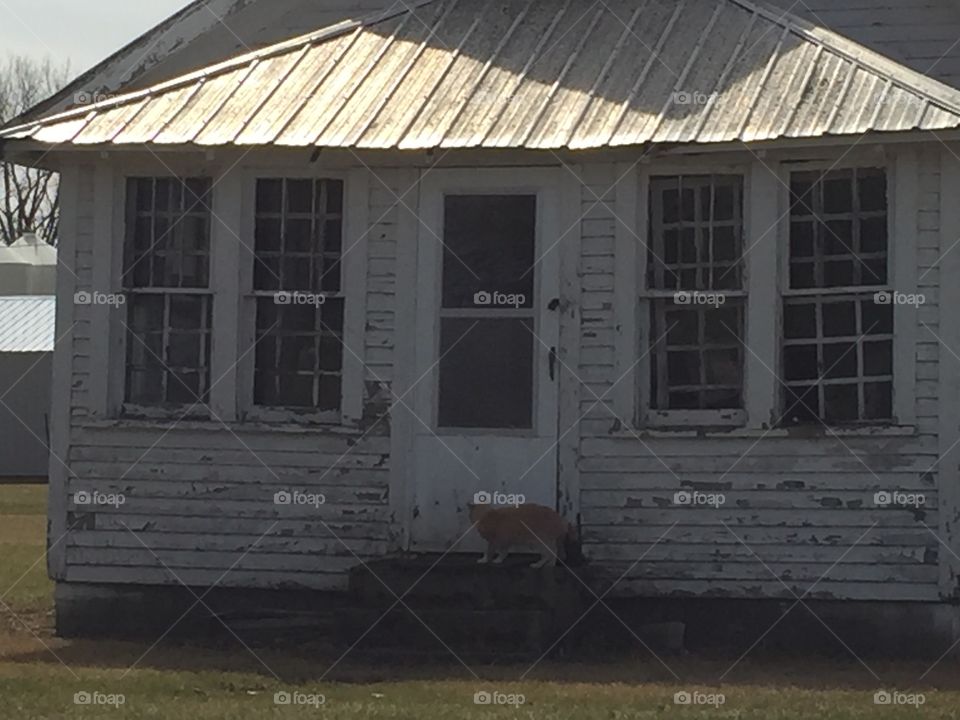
(535, 526)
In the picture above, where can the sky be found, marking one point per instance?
(82, 32)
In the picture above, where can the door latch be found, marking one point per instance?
(553, 363)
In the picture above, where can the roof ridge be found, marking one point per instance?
(933, 90)
(315, 36)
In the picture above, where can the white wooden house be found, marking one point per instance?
(672, 267)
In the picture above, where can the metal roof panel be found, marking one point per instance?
(545, 74)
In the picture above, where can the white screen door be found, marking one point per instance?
(487, 333)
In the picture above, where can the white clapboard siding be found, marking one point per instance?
(200, 494)
(201, 525)
(793, 501)
(720, 586)
(331, 577)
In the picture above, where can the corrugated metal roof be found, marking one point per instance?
(27, 323)
(539, 74)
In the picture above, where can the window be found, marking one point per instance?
(166, 276)
(487, 312)
(696, 289)
(299, 294)
(837, 330)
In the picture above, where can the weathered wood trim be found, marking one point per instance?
(356, 226)
(626, 302)
(948, 469)
(764, 195)
(402, 486)
(225, 283)
(62, 373)
(102, 361)
(641, 378)
(903, 263)
(116, 363)
(571, 388)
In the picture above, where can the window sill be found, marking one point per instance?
(213, 426)
(680, 420)
(806, 432)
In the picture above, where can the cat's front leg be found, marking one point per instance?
(501, 556)
(487, 556)
(544, 560)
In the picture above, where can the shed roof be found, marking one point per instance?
(27, 323)
(538, 74)
(28, 250)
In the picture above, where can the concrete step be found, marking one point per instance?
(458, 581)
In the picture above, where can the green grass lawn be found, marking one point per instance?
(40, 674)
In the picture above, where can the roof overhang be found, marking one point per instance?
(531, 75)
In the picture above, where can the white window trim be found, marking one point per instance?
(231, 365)
(108, 396)
(766, 204)
(354, 292)
(901, 169)
(633, 300)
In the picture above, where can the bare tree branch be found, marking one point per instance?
(29, 198)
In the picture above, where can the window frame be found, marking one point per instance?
(644, 299)
(898, 164)
(766, 204)
(117, 384)
(353, 291)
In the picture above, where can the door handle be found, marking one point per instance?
(553, 363)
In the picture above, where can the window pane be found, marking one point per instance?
(838, 235)
(167, 233)
(698, 365)
(696, 232)
(298, 235)
(486, 373)
(168, 349)
(299, 355)
(838, 357)
(489, 250)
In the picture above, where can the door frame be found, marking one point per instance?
(419, 280)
